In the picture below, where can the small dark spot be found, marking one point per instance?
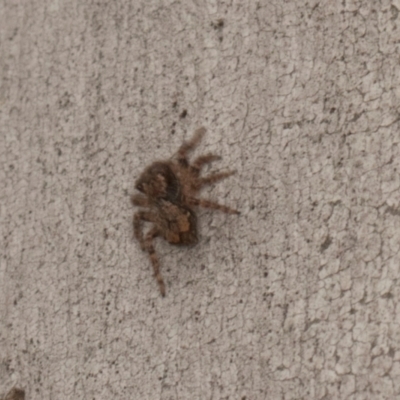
(394, 11)
(326, 244)
(202, 267)
(183, 114)
(315, 6)
(392, 211)
(219, 24)
(59, 152)
(387, 295)
(172, 131)
(174, 104)
(287, 125)
(310, 323)
(356, 117)
(332, 110)
(265, 274)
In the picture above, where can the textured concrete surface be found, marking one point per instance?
(298, 298)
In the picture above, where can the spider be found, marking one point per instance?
(168, 195)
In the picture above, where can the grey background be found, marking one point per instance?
(297, 298)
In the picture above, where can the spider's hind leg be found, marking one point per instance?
(148, 242)
(211, 205)
(138, 226)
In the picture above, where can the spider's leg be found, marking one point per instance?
(211, 205)
(154, 232)
(138, 217)
(200, 161)
(190, 145)
(210, 179)
(139, 200)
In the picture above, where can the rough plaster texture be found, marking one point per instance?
(298, 298)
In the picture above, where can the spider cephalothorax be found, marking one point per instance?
(168, 197)
(159, 182)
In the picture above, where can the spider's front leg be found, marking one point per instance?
(154, 232)
(190, 145)
(202, 160)
(211, 205)
(210, 179)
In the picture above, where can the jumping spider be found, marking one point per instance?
(169, 192)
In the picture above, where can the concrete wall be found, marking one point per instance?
(298, 297)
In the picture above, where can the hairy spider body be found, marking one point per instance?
(168, 195)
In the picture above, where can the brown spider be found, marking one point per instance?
(169, 190)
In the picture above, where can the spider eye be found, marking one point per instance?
(139, 187)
